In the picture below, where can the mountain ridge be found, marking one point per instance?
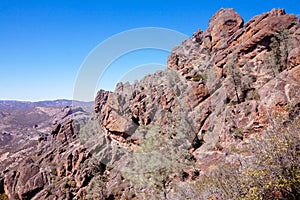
(165, 135)
(49, 103)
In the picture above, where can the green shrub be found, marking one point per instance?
(163, 153)
(255, 95)
(219, 146)
(272, 171)
(3, 196)
(88, 130)
(97, 188)
(197, 77)
(238, 133)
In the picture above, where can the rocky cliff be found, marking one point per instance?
(156, 138)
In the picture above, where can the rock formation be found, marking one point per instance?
(155, 137)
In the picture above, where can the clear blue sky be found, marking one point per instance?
(44, 42)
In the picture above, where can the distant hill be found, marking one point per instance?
(24, 105)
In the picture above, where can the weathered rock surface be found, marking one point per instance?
(223, 81)
(153, 138)
(32, 153)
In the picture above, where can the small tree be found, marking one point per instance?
(163, 153)
(88, 130)
(97, 188)
(276, 60)
(271, 172)
(235, 75)
(275, 169)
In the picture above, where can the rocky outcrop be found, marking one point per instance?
(225, 67)
(50, 158)
(226, 80)
(222, 26)
(152, 138)
(249, 89)
(26, 183)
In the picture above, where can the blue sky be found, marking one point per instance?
(44, 43)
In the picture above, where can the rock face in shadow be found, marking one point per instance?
(26, 183)
(154, 137)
